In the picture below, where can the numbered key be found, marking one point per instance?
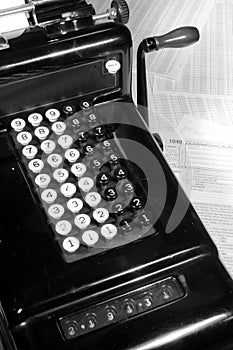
(68, 189)
(68, 110)
(49, 196)
(86, 184)
(24, 138)
(52, 114)
(65, 141)
(127, 187)
(103, 179)
(110, 194)
(75, 205)
(120, 173)
(92, 119)
(75, 123)
(96, 164)
(126, 225)
(78, 169)
(99, 132)
(108, 231)
(88, 150)
(113, 160)
(36, 165)
(42, 132)
(106, 145)
(71, 244)
(59, 128)
(35, 119)
(48, 146)
(18, 124)
(83, 137)
(56, 211)
(101, 215)
(42, 180)
(85, 105)
(118, 208)
(136, 203)
(93, 199)
(144, 219)
(63, 227)
(54, 160)
(90, 237)
(30, 151)
(60, 175)
(82, 221)
(72, 155)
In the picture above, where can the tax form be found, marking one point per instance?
(200, 154)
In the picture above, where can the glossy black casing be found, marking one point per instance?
(38, 287)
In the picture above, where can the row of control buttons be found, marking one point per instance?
(122, 308)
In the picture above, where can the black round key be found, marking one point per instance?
(144, 219)
(68, 110)
(136, 203)
(99, 133)
(88, 150)
(85, 105)
(110, 193)
(120, 173)
(126, 225)
(83, 137)
(103, 179)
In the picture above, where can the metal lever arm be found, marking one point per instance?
(178, 38)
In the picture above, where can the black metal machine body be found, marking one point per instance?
(142, 273)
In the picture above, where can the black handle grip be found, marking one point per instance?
(180, 37)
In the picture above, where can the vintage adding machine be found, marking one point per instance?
(99, 246)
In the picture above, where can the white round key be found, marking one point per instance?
(101, 215)
(24, 138)
(42, 180)
(18, 124)
(75, 205)
(36, 165)
(86, 184)
(35, 119)
(59, 128)
(30, 151)
(72, 155)
(41, 132)
(56, 211)
(49, 195)
(93, 199)
(63, 227)
(60, 175)
(82, 221)
(71, 244)
(108, 231)
(65, 141)
(78, 169)
(54, 160)
(90, 237)
(48, 146)
(52, 114)
(68, 189)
